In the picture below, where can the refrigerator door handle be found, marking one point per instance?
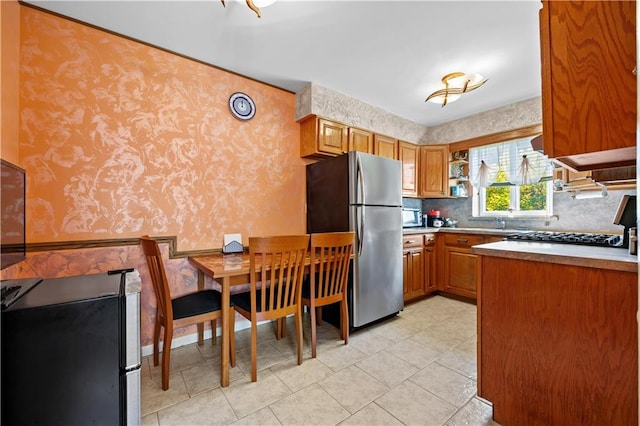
(360, 173)
(360, 232)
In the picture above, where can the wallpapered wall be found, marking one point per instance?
(9, 61)
(120, 139)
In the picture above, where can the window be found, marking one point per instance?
(511, 179)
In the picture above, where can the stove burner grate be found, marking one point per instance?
(601, 240)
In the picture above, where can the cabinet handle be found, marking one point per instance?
(462, 240)
(409, 241)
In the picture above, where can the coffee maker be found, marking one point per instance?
(434, 220)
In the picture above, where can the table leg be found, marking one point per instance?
(224, 363)
(201, 325)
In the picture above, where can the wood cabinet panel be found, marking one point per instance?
(588, 84)
(385, 146)
(558, 344)
(460, 266)
(419, 265)
(430, 264)
(416, 284)
(360, 140)
(408, 155)
(322, 138)
(434, 173)
(463, 240)
(458, 269)
(332, 137)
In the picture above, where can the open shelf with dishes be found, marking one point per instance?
(459, 185)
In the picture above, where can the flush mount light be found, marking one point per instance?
(455, 84)
(255, 5)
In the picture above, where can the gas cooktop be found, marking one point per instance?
(602, 240)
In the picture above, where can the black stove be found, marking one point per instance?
(601, 240)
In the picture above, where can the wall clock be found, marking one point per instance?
(242, 106)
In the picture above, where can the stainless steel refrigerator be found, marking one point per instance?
(362, 193)
(71, 352)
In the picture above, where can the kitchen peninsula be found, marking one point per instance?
(557, 333)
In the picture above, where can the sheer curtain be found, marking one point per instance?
(517, 159)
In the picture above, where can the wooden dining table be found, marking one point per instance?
(228, 270)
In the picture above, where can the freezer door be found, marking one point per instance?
(377, 273)
(131, 398)
(374, 180)
(131, 320)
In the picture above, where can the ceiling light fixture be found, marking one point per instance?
(255, 5)
(455, 84)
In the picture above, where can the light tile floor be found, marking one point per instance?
(418, 368)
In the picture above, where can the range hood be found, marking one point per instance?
(622, 157)
(602, 160)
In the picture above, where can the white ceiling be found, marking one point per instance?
(390, 54)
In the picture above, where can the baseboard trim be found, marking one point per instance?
(193, 338)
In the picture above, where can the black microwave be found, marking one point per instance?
(411, 218)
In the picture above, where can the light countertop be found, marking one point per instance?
(611, 258)
(456, 230)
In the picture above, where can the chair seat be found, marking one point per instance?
(243, 300)
(196, 303)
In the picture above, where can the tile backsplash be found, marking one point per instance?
(587, 215)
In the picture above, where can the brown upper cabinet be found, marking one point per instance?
(589, 82)
(385, 146)
(434, 173)
(360, 140)
(321, 138)
(408, 155)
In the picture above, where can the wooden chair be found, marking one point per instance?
(327, 284)
(276, 266)
(193, 308)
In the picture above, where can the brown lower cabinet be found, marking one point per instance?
(430, 263)
(412, 266)
(441, 262)
(419, 265)
(557, 344)
(458, 267)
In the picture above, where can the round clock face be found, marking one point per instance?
(242, 106)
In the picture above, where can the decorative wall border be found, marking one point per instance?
(172, 240)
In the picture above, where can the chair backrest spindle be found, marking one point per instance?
(332, 253)
(276, 265)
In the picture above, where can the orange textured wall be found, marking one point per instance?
(9, 75)
(120, 139)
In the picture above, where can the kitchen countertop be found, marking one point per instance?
(456, 230)
(611, 258)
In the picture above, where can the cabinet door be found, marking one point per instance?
(416, 261)
(460, 271)
(588, 84)
(385, 146)
(406, 273)
(434, 173)
(360, 140)
(429, 269)
(413, 269)
(332, 137)
(408, 154)
(460, 264)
